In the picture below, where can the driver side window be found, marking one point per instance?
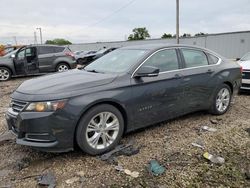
(21, 54)
(165, 60)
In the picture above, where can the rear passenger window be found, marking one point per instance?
(212, 59)
(45, 50)
(58, 49)
(194, 58)
(165, 60)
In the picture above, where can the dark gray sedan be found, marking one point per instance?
(127, 89)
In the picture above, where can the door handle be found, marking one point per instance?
(210, 71)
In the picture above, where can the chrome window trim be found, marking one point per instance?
(181, 69)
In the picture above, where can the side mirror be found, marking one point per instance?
(237, 59)
(147, 71)
(12, 55)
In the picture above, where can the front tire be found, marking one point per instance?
(5, 74)
(221, 100)
(100, 129)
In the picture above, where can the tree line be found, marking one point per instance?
(139, 33)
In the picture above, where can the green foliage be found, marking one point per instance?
(139, 33)
(199, 34)
(58, 42)
(165, 36)
(186, 35)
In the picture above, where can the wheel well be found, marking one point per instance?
(7, 68)
(230, 85)
(116, 105)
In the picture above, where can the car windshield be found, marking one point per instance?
(9, 54)
(246, 57)
(117, 61)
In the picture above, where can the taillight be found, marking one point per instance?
(70, 54)
(241, 69)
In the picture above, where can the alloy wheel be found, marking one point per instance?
(102, 130)
(223, 99)
(62, 68)
(4, 74)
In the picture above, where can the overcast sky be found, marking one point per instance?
(83, 21)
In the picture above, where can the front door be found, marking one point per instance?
(158, 98)
(20, 61)
(26, 61)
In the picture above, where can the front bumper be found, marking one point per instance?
(245, 84)
(46, 131)
(245, 80)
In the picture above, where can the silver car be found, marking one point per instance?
(245, 64)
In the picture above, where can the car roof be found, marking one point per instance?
(45, 45)
(159, 46)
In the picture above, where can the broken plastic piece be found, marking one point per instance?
(155, 168)
(210, 129)
(199, 143)
(119, 168)
(47, 180)
(72, 180)
(122, 149)
(214, 159)
(213, 121)
(133, 174)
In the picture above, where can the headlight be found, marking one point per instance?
(48, 106)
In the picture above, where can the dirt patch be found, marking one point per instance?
(170, 143)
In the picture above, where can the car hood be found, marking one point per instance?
(245, 64)
(61, 85)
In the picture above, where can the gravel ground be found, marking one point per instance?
(168, 142)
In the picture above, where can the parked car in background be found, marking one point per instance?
(89, 57)
(127, 89)
(80, 55)
(245, 64)
(36, 59)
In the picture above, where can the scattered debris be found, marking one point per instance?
(210, 129)
(199, 143)
(47, 180)
(248, 131)
(6, 136)
(214, 159)
(247, 174)
(22, 163)
(4, 173)
(133, 174)
(122, 149)
(214, 121)
(81, 174)
(119, 168)
(72, 180)
(155, 168)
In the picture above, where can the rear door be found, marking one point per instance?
(158, 98)
(197, 74)
(46, 57)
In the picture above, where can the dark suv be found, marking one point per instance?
(36, 59)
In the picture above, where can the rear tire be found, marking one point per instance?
(5, 74)
(61, 67)
(221, 100)
(100, 129)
